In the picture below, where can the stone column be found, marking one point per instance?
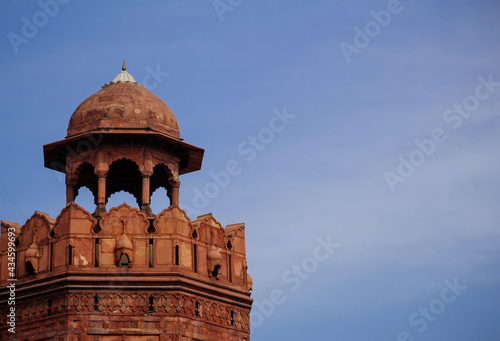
(146, 194)
(146, 173)
(70, 181)
(174, 193)
(70, 193)
(101, 194)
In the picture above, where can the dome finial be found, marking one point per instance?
(122, 77)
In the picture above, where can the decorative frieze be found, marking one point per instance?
(131, 304)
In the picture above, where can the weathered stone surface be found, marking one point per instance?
(123, 273)
(123, 105)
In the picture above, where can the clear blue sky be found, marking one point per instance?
(370, 125)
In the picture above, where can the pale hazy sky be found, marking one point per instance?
(367, 136)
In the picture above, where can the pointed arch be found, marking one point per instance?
(73, 212)
(124, 261)
(86, 199)
(120, 197)
(159, 200)
(30, 268)
(124, 175)
(163, 177)
(85, 175)
(36, 229)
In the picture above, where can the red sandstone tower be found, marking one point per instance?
(123, 273)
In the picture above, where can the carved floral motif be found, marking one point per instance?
(132, 303)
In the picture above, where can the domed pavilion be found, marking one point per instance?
(121, 273)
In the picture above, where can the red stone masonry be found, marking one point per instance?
(124, 273)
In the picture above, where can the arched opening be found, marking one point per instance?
(124, 175)
(96, 303)
(151, 253)
(176, 255)
(161, 179)
(159, 200)
(121, 197)
(230, 267)
(51, 256)
(215, 273)
(86, 178)
(97, 252)
(124, 261)
(70, 254)
(49, 307)
(30, 269)
(151, 301)
(195, 258)
(85, 199)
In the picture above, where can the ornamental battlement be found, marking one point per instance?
(124, 272)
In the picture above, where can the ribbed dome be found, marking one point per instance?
(123, 105)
